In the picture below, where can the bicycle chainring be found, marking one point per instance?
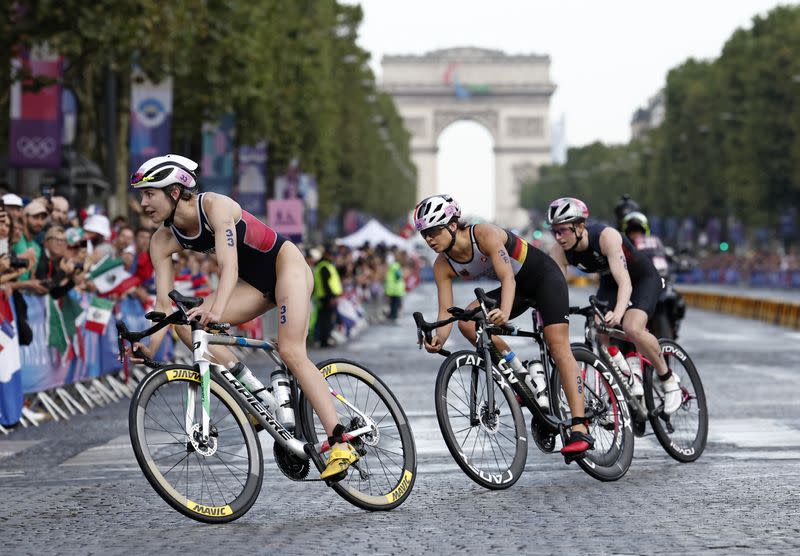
(544, 441)
(289, 464)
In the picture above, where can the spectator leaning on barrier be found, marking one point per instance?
(395, 284)
(59, 214)
(34, 218)
(327, 288)
(55, 271)
(13, 206)
(98, 232)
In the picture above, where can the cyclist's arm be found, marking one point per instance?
(443, 275)
(611, 247)
(491, 240)
(222, 215)
(557, 254)
(162, 246)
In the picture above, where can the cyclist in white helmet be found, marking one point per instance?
(628, 280)
(259, 270)
(527, 276)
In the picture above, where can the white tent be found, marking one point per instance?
(374, 233)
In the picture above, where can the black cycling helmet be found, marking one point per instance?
(624, 206)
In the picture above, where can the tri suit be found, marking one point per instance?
(257, 247)
(539, 281)
(646, 282)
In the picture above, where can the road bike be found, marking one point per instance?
(479, 401)
(194, 428)
(683, 433)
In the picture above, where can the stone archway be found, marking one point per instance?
(508, 94)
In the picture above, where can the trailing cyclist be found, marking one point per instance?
(259, 270)
(628, 280)
(527, 278)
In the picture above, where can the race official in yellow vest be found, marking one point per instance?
(394, 284)
(327, 288)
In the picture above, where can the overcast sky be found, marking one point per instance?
(607, 57)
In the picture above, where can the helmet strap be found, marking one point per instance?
(168, 221)
(452, 239)
(578, 238)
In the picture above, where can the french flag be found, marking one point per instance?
(10, 377)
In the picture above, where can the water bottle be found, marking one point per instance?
(619, 361)
(635, 363)
(532, 376)
(253, 385)
(283, 397)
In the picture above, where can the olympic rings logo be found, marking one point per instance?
(36, 147)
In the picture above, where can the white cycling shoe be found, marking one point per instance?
(671, 389)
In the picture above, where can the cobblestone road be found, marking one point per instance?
(74, 487)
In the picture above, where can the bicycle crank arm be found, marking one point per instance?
(323, 446)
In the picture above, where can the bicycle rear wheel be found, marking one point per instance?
(491, 448)
(384, 475)
(613, 436)
(682, 434)
(213, 482)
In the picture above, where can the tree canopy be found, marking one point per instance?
(291, 72)
(729, 144)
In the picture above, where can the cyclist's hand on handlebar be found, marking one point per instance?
(434, 346)
(140, 349)
(613, 319)
(497, 317)
(203, 314)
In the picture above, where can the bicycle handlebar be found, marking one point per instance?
(162, 320)
(595, 308)
(486, 304)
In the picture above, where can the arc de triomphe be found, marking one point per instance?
(508, 94)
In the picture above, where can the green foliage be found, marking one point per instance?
(730, 142)
(291, 72)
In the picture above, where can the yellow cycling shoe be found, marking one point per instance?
(341, 458)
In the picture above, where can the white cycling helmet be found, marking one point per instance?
(566, 210)
(633, 219)
(161, 171)
(437, 210)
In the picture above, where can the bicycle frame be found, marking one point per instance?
(484, 333)
(201, 340)
(593, 328)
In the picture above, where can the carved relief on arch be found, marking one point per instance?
(417, 126)
(524, 173)
(443, 118)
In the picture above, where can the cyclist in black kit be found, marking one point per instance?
(628, 280)
(259, 269)
(526, 275)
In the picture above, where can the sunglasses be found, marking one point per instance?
(436, 230)
(558, 232)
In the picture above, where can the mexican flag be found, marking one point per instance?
(98, 314)
(110, 277)
(56, 330)
(74, 317)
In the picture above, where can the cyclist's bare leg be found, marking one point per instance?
(293, 299)
(634, 323)
(557, 338)
(246, 303)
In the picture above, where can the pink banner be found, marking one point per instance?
(285, 216)
(35, 134)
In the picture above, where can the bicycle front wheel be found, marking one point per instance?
(384, 475)
(682, 434)
(489, 444)
(213, 481)
(611, 428)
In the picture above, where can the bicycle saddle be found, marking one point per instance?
(184, 300)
